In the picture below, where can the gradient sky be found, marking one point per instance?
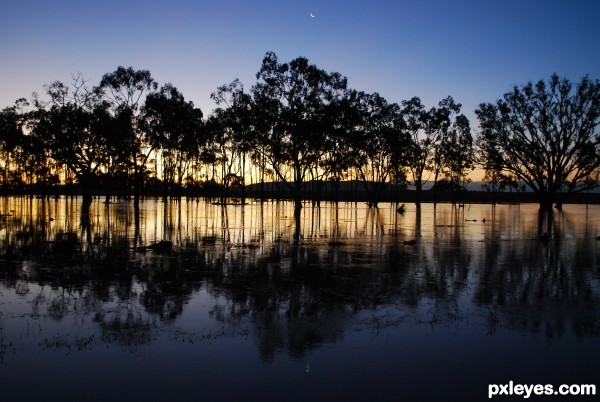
(473, 50)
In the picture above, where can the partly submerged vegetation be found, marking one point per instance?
(300, 126)
(256, 290)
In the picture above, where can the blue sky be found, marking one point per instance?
(473, 50)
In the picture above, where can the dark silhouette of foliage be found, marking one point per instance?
(453, 156)
(296, 97)
(545, 134)
(378, 141)
(12, 121)
(232, 129)
(340, 155)
(124, 89)
(299, 126)
(174, 126)
(424, 141)
(72, 127)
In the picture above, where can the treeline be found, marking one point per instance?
(297, 124)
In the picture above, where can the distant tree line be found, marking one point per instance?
(296, 125)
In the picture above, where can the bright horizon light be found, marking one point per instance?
(471, 50)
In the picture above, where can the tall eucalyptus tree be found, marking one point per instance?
(12, 123)
(458, 154)
(546, 135)
(453, 153)
(435, 135)
(297, 95)
(341, 144)
(175, 128)
(422, 144)
(125, 90)
(70, 126)
(232, 125)
(379, 142)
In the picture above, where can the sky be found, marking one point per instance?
(474, 51)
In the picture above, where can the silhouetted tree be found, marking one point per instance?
(375, 140)
(423, 141)
(35, 166)
(173, 126)
(546, 135)
(232, 128)
(341, 152)
(12, 122)
(440, 122)
(125, 89)
(297, 95)
(457, 152)
(118, 147)
(489, 159)
(70, 127)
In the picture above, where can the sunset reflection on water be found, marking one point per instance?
(333, 301)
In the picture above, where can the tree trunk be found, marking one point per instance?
(546, 201)
(298, 198)
(435, 182)
(418, 190)
(86, 185)
(298, 184)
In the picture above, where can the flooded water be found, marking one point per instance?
(254, 303)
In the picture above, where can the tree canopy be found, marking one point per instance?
(299, 96)
(297, 124)
(545, 134)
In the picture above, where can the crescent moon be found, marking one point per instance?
(312, 15)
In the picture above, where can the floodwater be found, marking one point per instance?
(254, 303)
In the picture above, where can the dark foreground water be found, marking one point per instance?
(252, 303)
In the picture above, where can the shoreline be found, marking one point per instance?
(401, 196)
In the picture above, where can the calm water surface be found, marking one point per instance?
(253, 303)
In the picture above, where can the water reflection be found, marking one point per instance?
(288, 280)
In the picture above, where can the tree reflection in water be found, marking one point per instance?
(294, 279)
